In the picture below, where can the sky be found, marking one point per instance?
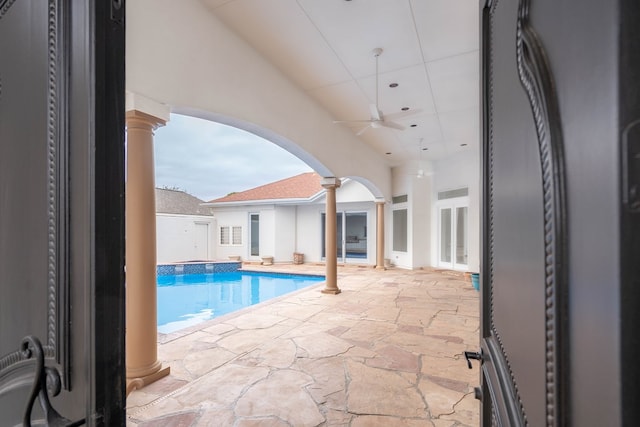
(210, 160)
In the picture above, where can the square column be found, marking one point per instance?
(380, 235)
(331, 247)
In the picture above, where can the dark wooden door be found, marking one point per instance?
(561, 203)
(61, 211)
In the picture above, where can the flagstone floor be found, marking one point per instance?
(387, 351)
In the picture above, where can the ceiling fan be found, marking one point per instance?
(377, 119)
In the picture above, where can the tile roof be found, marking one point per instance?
(303, 186)
(179, 202)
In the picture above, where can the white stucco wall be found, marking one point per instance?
(309, 235)
(169, 61)
(418, 205)
(457, 171)
(178, 238)
(231, 218)
(277, 231)
(421, 221)
(285, 229)
(285, 233)
(268, 237)
(351, 190)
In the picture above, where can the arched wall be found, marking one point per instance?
(184, 57)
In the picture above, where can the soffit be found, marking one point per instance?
(430, 50)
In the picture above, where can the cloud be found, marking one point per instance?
(210, 160)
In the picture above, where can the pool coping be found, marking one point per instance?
(281, 273)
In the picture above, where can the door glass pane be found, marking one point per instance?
(322, 236)
(461, 235)
(445, 235)
(338, 235)
(339, 238)
(400, 230)
(356, 234)
(255, 235)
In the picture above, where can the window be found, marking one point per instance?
(224, 235)
(452, 194)
(237, 236)
(230, 235)
(399, 199)
(400, 230)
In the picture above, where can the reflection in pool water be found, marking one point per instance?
(188, 299)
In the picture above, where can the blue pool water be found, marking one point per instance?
(188, 299)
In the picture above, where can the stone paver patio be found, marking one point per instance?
(387, 351)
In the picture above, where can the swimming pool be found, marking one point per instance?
(188, 299)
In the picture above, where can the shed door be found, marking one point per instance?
(61, 210)
(202, 241)
(561, 203)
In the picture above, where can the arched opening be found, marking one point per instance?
(235, 174)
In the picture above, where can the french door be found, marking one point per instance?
(453, 250)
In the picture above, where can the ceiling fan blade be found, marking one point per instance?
(352, 121)
(392, 125)
(402, 114)
(375, 113)
(361, 131)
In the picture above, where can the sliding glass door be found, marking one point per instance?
(339, 234)
(351, 236)
(355, 232)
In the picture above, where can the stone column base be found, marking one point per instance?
(335, 291)
(138, 383)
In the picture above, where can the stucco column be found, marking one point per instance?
(380, 235)
(331, 287)
(143, 366)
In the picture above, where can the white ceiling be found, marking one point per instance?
(325, 47)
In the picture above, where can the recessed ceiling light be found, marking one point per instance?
(405, 108)
(393, 85)
(413, 125)
(463, 145)
(387, 153)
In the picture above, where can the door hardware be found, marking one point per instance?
(477, 393)
(468, 355)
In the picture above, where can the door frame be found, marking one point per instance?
(453, 204)
(341, 226)
(207, 235)
(250, 239)
(345, 257)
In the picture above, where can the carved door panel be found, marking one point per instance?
(560, 207)
(61, 212)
